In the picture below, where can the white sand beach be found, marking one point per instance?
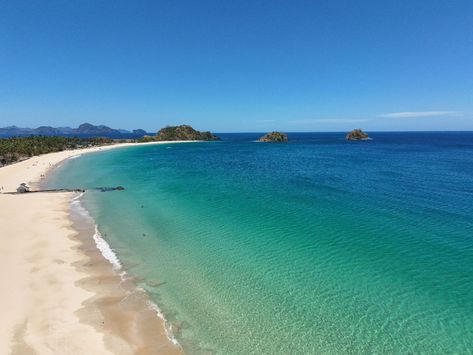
(48, 303)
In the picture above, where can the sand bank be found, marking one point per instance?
(59, 295)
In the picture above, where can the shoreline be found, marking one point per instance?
(126, 311)
(60, 284)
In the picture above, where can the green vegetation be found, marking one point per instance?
(19, 148)
(146, 139)
(180, 133)
(274, 137)
(357, 135)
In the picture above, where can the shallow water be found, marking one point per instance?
(315, 246)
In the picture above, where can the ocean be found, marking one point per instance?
(316, 246)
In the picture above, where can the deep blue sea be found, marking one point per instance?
(316, 246)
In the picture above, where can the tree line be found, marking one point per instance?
(14, 149)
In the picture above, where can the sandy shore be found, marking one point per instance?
(59, 295)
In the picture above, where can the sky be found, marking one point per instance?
(237, 65)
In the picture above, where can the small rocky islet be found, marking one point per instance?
(357, 135)
(274, 137)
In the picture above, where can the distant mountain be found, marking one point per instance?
(14, 130)
(85, 129)
(47, 131)
(139, 132)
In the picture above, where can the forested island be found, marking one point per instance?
(180, 133)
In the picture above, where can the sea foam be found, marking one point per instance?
(106, 250)
(109, 254)
(101, 244)
(167, 329)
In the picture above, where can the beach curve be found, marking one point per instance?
(61, 294)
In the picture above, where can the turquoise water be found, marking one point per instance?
(311, 247)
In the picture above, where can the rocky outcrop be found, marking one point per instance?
(357, 135)
(184, 133)
(23, 188)
(274, 137)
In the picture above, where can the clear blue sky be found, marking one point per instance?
(238, 65)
